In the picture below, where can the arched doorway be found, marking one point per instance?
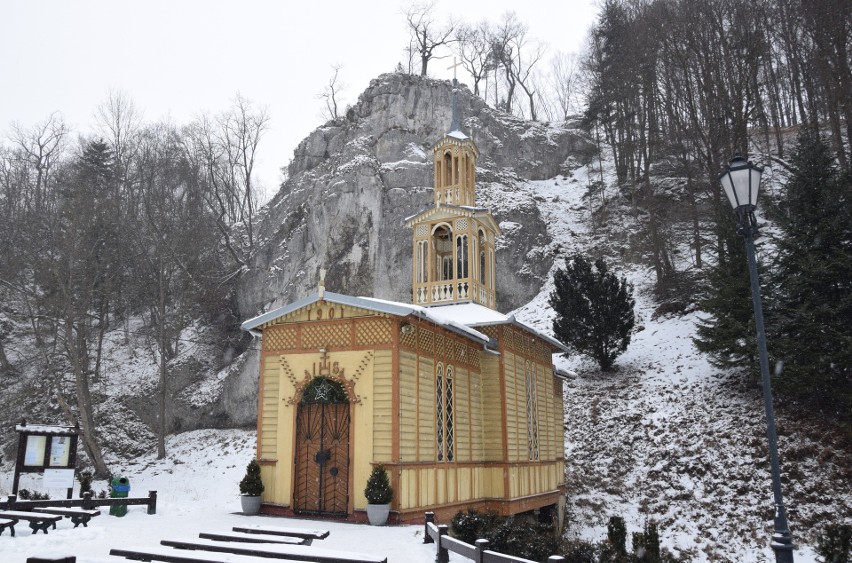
(322, 449)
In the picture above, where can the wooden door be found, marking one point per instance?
(322, 459)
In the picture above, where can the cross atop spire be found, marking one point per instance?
(453, 68)
(455, 124)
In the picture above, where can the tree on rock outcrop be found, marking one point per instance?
(594, 310)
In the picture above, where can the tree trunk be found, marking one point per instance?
(161, 435)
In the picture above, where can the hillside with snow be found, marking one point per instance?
(667, 436)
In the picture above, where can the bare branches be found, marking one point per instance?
(427, 34)
(330, 94)
(474, 50)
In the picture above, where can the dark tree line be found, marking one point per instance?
(675, 87)
(151, 221)
(680, 85)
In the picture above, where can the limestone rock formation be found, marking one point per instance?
(353, 181)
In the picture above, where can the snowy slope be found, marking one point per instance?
(669, 437)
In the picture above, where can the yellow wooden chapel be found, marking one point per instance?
(459, 402)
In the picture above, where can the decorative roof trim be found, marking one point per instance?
(369, 304)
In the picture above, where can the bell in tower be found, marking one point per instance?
(453, 239)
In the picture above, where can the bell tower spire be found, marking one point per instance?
(454, 241)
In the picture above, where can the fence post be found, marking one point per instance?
(429, 519)
(481, 545)
(555, 559)
(152, 502)
(10, 502)
(443, 554)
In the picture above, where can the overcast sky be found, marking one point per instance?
(178, 58)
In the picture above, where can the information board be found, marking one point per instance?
(60, 451)
(34, 455)
(58, 479)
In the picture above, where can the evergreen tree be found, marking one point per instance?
(812, 298)
(728, 335)
(594, 310)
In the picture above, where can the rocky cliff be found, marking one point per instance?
(353, 181)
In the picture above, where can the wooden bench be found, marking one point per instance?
(252, 538)
(6, 523)
(158, 553)
(306, 534)
(287, 552)
(77, 515)
(36, 521)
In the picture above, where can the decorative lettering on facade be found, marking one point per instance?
(325, 367)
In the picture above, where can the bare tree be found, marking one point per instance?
(426, 33)
(330, 94)
(474, 50)
(563, 81)
(527, 56)
(224, 149)
(503, 45)
(41, 145)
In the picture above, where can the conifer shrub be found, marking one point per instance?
(251, 484)
(471, 525)
(616, 533)
(646, 544)
(26, 494)
(834, 543)
(524, 538)
(594, 309)
(378, 490)
(579, 551)
(85, 479)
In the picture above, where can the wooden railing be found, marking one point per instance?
(453, 291)
(479, 553)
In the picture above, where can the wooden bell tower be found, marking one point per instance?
(454, 241)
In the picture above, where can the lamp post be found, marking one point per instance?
(741, 181)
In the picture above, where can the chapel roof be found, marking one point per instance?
(460, 318)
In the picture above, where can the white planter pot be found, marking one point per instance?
(378, 514)
(251, 505)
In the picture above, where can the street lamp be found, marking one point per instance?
(741, 180)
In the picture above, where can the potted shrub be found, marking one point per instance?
(251, 487)
(379, 495)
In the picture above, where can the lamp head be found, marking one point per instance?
(741, 180)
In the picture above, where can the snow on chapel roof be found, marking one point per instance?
(461, 318)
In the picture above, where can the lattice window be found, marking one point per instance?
(280, 338)
(326, 335)
(532, 412)
(439, 411)
(444, 413)
(461, 224)
(422, 230)
(408, 338)
(427, 341)
(449, 416)
(376, 331)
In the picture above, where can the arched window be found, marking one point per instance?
(444, 415)
(482, 267)
(422, 261)
(461, 256)
(443, 243)
(448, 169)
(532, 412)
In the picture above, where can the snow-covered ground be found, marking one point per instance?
(667, 436)
(197, 489)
